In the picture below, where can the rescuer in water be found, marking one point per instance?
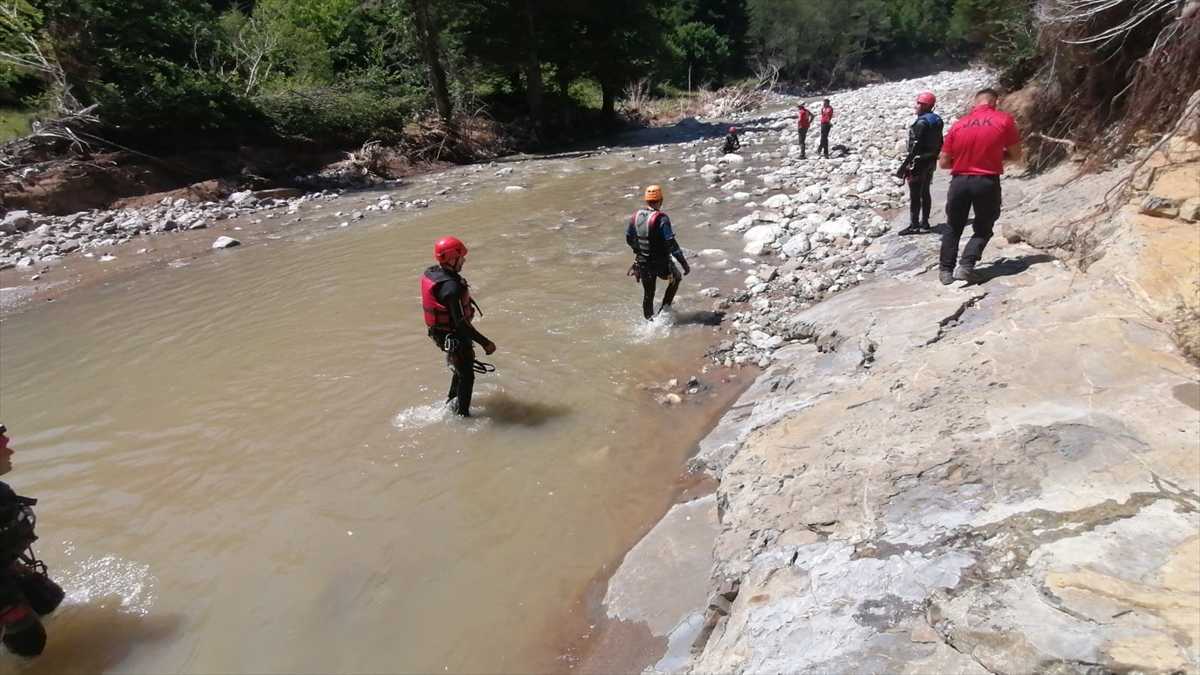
(449, 310)
(650, 236)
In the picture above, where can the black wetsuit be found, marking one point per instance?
(925, 142)
(732, 142)
(26, 592)
(462, 357)
(657, 253)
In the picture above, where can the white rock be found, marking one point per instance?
(836, 228)
(225, 242)
(797, 245)
(777, 201)
(732, 158)
(514, 188)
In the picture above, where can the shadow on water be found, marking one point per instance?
(504, 409)
(92, 638)
(700, 318)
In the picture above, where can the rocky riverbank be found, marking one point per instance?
(1000, 477)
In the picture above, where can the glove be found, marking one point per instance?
(489, 348)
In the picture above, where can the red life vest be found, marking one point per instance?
(805, 119)
(437, 315)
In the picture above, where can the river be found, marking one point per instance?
(243, 463)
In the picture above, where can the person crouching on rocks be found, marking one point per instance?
(653, 242)
(26, 591)
(732, 142)
(449, 309)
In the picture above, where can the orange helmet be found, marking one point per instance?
(654, 193)
(449, 248)
(926, 98)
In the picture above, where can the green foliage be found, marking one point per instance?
(20, 79)
(1005, 31)
(346, 114)
(699, 53)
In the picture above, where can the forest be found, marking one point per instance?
(169, 77)
(174, 75)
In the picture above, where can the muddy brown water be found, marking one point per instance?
(244, 464)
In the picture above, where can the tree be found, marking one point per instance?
(428, 34)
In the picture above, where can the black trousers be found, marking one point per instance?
(980, 194)
(462, 360)
(651, 271)
(823, 148)
(920, 201)
(803, 142)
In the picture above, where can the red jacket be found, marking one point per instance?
(827, 114)
(805, 118)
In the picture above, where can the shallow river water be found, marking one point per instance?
(243, 463)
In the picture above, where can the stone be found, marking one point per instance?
(514, 188)
(1190, 210)
(243, 198)
(1159, 207)
(15, 221)
(797, 245)
(225, 242)
(279, 193)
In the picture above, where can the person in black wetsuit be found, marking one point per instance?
(449, 309)
(732, 142)
(26, 591)
(650, 236)
(924, 144)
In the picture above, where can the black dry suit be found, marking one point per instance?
(26, 591)
(650, 236)
(924, 144)
(452, 309)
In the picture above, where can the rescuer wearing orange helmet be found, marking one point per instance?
(650, 236)
(449, 309)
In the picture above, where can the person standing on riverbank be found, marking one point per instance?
(976, 148)
(803, 122)
(924, 144)
(449, 310)
(826, 125)
(653, 242)
(26, 591)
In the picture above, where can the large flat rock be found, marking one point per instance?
(998, 478)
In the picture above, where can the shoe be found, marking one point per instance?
(925, 225)
(912, 229)
(946, 277)
(967, 273)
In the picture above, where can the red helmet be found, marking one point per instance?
(926, 98)
(449, 248)
(733, 130)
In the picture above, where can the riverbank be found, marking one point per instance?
(977, 478)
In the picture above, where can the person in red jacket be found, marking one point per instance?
(449, 309)
(803, 122)
(826, 124)
(975, 150)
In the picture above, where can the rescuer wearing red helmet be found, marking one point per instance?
(449, 309)
(732, 142)
(649, 235)
(26, 591)
(924, 144)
